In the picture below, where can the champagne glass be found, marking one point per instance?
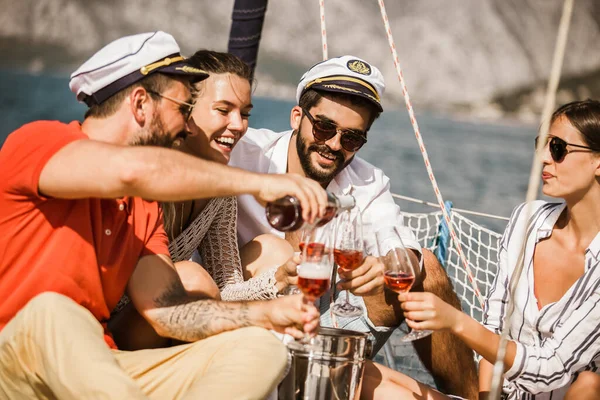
(312, 240)
(348, 254)
(314, 272)
(400, 269)
(312, 236)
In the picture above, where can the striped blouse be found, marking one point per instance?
(562, 339)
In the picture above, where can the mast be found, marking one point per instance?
(246, 27)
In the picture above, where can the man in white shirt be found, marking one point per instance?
(338, 100)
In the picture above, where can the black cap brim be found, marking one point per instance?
(346, 87)
(183, 68)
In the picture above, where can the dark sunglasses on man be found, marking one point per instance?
(558, 148)
(351, 140)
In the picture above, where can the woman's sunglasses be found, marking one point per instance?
(351, 140)
(558, 148)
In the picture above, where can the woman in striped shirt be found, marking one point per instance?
(554, 342)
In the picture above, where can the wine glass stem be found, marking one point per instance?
(306, 338)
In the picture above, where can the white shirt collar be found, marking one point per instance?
(280, 154)
(545, 228)
(547, 225)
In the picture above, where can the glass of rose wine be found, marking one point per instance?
(400, 270)
(314, 272)
(316, 243)
(312, 236)
(348, 255)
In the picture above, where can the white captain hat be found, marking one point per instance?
(127, 60)
(346, 74)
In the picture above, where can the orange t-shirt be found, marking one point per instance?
(85, 249)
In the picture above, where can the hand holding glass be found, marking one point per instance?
(314, 273)
(348, 255)
(400, 270)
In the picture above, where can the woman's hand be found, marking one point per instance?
(287, 274)
(424, 310)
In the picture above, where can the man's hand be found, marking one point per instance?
(311, 195)
(366, 280)
(291, 315)
(159, 296)
(287, 274)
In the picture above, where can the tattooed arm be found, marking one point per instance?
(159, 296)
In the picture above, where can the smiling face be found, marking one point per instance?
(167, 121)
(322, 161)
(577, 173)
(220, 117)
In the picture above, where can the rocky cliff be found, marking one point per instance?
(482, 57)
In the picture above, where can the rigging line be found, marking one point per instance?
(413, 121)
(323, 30)
(325, 57)
(460, 210)
(534, 180)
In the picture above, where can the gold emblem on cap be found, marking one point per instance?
(187, 68)
(359, 67)
(163, 63)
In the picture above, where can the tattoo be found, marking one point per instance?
(189, 318)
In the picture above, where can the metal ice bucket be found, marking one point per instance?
(333, 370)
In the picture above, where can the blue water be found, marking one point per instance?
(479, 166)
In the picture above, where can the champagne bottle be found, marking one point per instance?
(285, 214)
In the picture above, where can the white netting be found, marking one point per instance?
(480, 246)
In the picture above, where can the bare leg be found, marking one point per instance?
(381, 382)
(585, 387)
(196, 280)
(264, 252)
(132, 332)
(450, 357)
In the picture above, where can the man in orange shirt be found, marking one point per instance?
(77, 234)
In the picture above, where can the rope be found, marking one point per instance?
(332, 289)
(534, 179)
(323, 30)
(415, 126)
(461, 210)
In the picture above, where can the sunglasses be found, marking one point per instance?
(558, 148)
(184, 108)
(351, 140)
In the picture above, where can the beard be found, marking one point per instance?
(321, 174)
(156, 135)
